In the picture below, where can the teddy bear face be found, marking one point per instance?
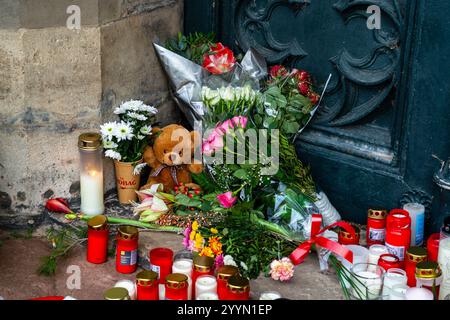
(173, 146)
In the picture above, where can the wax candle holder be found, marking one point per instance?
(91, 173)
(398, 292)
(176, 285)
(433, 246)
(367, 285)
(375, 251)
(205, 284)
(97, 244)
(147, 285)
(393, 277)
(376, 227)
(129, 285)
(116, 293)
(161, 260)
(184, 266)
(223, 274)
(203, 265)
(388, 261)
(346, 238)
(127, 247)
(238, 288)
(429, 276)
(414, 255)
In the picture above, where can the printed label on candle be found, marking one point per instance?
(419, 229)
(155, 268)
(377, 234)
(397, 251)
(128, 258)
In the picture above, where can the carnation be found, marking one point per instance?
(282, 270)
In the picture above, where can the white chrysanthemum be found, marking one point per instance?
(140, 137)
(107, 144)
(137, 116)
(113, 155)
(131, 105)
(138, 169)
(149, 109)
(123, 131)
(229, 261)
(107, 130)
(146, 130)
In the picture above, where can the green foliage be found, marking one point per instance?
(193, 46)
(204, 182)
(62, 241)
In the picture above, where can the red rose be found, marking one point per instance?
(278, 71)
(314, 98)
(303, 76)
(303, 88)
(220, 60)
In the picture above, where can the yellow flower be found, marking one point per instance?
(199, 240)
(216, 245)
(214, 231)
(207, 251)
(192, 235)
(195, 225)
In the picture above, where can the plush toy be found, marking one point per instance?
(171, 157)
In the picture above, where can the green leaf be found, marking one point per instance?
(290, 127)
(184, 200)
(241, 174)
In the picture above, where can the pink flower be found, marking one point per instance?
(282, 270)
(212, 143)
(218, 262)
(219, 60)
(187, 240)
(239, 121)
(225, 127)
(226, 199)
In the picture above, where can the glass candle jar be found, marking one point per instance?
(223, 274)
(129, 285)
(116, 293)
(127, 247)
(393, 277)
(360, 255)
(414, 255)
(398, 292)
(444, 255)
(238, 288)
(91, 173)
(345, 237)
(376, 227)
(368, 285)
(429, 276)
(176, 285)
(375, 251)
(205, 284)
(161, 260)
(97, 243)
(398, 232)
(445, 286)
(388, 261)
(184, 266)
(433, 246)
(417, 214)
(203, 265)
(445, 230)
(147, 285)
(208, 296)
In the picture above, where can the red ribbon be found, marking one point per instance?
(299, 254)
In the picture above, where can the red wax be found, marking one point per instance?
(176, 286)
(433, 247)
(238, 295)
(222, 289)
(127, 247)
(161, 260)
(398, 232)
(346, 239)
(388, 261)
(376, 227)
(97, 245)
(148, 292)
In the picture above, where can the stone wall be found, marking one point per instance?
(56, 83)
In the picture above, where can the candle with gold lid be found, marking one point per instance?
(97, 244)
(176, 287)
(147, 285)
(91, 173)
(414, 255)
(238, 288)
(203, 265)
(429, 276)
(223, 274)
(116, 293)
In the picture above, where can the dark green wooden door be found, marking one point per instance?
(387, 109)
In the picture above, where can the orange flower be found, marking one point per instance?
(206, 251)
(216, 245)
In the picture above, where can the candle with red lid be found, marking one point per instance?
(346, 238)
(223, 274)
(433, 247)
(376, 227)
(147, 285)
(97, 244)
(127, 247)
(398, 232)
(176, 285)
(238, 288)
(203, 265)
(389, 261)
(414, 255)
(161, 260)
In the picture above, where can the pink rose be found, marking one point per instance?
(226, 199)
(239, 121)
(225, 127)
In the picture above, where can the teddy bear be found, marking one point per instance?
(171, 157)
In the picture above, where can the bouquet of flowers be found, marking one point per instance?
(126, 139)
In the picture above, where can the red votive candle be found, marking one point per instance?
(414, 255)
(389, 261)
(433, 247)
(346, 238)
(161, 260)
(97, 244)
(147, 285)
(223, 274)
(203, 265)
(127, 247)
(238, 288)
(176, 285)
(398, 232)
(376, 227)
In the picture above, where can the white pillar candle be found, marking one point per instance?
(419, 294)
(417, 213)
(129, 285)
(270, 295)
(393, 277)
(398, 292)
(375, 251)
(205, 284)
(184, 266)
(208, 296)
(91, 192)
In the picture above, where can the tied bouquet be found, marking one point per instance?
(126, 139)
